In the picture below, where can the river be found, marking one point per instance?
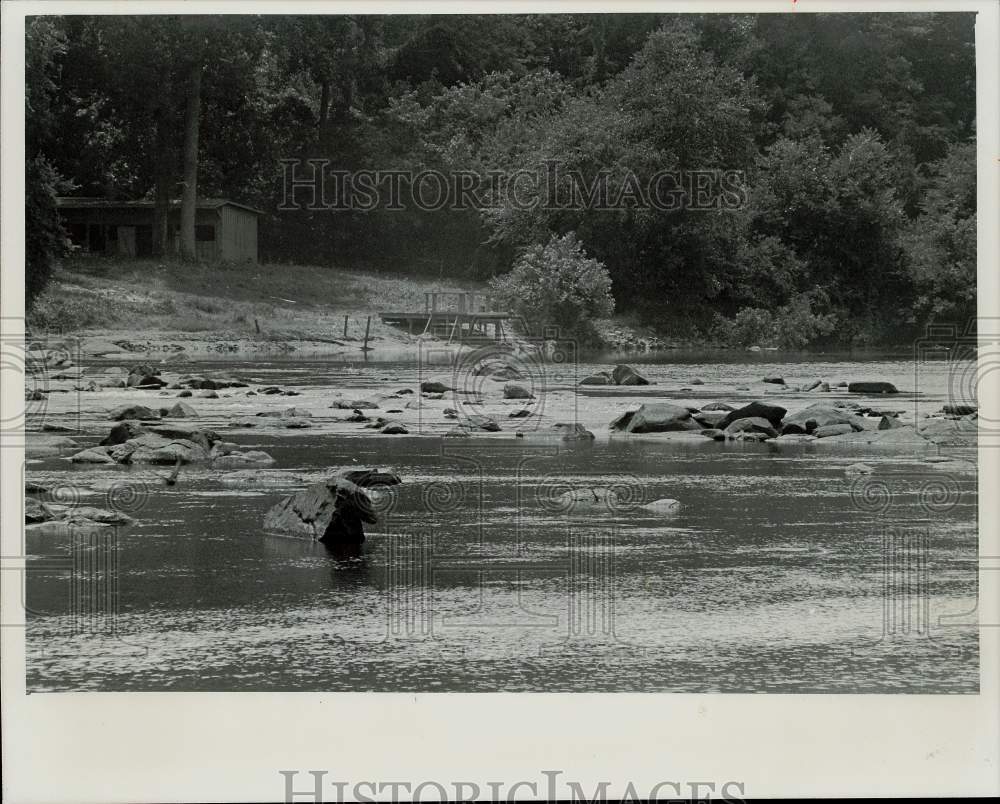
(779, 573)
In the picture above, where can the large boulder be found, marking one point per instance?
(752, 424)
(137, 412)
(819, 415)
(332, 512)
(660, 417)
(872, 388)
(626, 375)
(154, 448)
(762, 410)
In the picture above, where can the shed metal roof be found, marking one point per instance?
(95, 202)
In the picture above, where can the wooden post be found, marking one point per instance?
(345, 326)
(368, 326)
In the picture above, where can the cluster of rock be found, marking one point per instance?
(758, 421)
(135, 440)
(619, 375)
(56, 518)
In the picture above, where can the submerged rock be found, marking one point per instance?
(261, 478)
(859, 469)
(665, 506)
(233, 460)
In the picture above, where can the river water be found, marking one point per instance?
(779, 572)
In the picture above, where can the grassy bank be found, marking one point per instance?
(281, 301)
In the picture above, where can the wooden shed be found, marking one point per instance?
(225, 231)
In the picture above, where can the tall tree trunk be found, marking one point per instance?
(161, 208)
(189, 197)
(324, 113)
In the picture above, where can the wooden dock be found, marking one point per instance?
(459, 317)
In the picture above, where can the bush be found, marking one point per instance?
(797, 326)
(44, 238)
(792, 326)
(557, 285)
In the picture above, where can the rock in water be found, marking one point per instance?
(485, 423)
(93, 455)
(514, 391)
(332, 512)
(182, 410)
(833, 430)
(775, 380)
(822, 415)
(658, 417)
(138, 412)
(872, 388)
(773, 413)
(752, 424)
(709, 418)
(121, 433)
(395, 428)
(626, 375)
(723, 406)
(572, 431)
(599, 378)
(859, 469)
(433, 387)
(960, 410)
(889, 423)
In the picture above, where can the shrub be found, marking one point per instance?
(557, 285)
(797, 326)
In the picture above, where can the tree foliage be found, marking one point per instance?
(853, 135)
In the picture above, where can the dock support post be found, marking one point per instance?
(368, 326)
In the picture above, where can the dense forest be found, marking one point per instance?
(854, 135)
